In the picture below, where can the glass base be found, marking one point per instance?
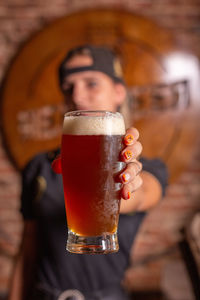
(106, 243)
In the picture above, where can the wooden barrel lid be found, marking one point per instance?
(32, 106)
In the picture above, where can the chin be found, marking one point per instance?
(84, 108)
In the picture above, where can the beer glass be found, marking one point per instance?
(91, 143)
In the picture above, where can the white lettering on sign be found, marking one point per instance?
(42, 123)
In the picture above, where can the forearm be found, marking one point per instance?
(24, 269)
(16, 287)
(146, 197)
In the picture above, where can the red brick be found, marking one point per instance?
(160, 231)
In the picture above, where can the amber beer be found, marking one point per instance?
(91, 143)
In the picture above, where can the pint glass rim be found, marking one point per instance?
(93, 113)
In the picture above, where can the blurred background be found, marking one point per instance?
(159, 46)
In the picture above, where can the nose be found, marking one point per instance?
(79, 95)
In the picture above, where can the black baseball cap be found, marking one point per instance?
(103, 60)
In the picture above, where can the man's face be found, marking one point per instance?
(91, 90)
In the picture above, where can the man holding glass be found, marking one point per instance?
(90, 79)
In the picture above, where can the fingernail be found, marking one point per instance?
(129, 195)
(128, 154)
(125, 177)
(128, 140)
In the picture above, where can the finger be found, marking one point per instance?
(130, 153)
(132, 169)
(131, 136)
(131, 187)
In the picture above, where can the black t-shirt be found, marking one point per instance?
(43, 200)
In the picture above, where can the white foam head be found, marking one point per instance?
(108, 124)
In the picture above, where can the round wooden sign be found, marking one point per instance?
(32, 105)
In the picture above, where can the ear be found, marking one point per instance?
(121, 93)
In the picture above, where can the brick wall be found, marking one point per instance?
(18, 20)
